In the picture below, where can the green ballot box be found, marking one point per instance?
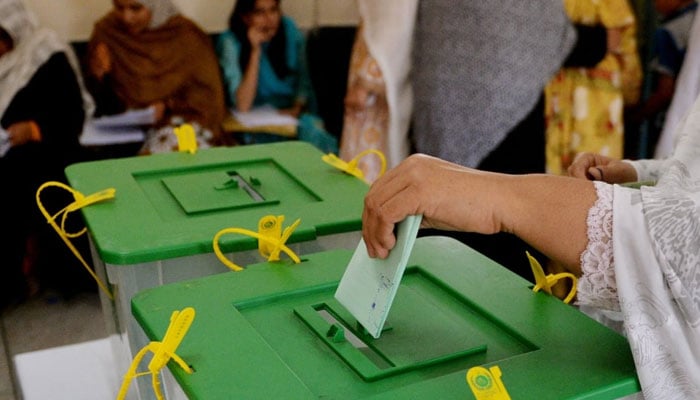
(277, 332)
(168, 208)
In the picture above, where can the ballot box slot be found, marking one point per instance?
(246, 186)
(195, 191)
(335, 335)
(363, 353)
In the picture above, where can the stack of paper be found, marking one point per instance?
(126, 127)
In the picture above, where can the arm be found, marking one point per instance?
(540, 209)
(245, 94)
(240, 85)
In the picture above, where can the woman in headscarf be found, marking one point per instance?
(146, 54)
(42, 112)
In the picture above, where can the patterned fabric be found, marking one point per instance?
(33, 46)
(584, 107)
(659, 321)
(656, 253)
(390, 42)
(365, 124)
(479, 68)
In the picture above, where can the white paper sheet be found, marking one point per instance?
(98, 136)
(369, 285)
(265, 115)
(130, 118)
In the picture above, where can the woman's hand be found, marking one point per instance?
(596, 167)
(293, 111)
(449, 196)
(101, 61)
(23, 132)
(159, 112)
(257, 36)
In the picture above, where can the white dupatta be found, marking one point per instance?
(656, 234)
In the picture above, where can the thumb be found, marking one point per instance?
(595, 173)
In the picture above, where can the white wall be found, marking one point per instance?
(73, 19)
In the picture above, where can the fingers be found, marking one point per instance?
(387, 203)
(585, 164)
(616, 172)
(377, 234)
(579, 168)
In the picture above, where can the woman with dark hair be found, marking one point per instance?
(262, 56)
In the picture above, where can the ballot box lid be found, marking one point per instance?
(275, 331)
(173, 204)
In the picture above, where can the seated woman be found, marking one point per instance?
(42, 112)
(636, 250)
(263, 60)
(144, 53)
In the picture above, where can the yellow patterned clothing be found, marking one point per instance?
(584, 106)
(365, 127)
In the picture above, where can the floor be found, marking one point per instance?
(42, 323)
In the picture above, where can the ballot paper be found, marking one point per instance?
(369, 285)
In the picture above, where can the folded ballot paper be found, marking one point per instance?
(369, 285)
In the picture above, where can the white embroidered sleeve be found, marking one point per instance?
(597, 287)
(648, 170)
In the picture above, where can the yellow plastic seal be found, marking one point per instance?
(186, 138)
(351, 167)
(486, 384)
(163, 352)
(545, 283)
(80, 201)
(271, 240)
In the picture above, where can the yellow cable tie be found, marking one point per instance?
(351, 167)
(186, 138)
(80, 202)
(271, 240)
(546, 283)
(163, 352)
